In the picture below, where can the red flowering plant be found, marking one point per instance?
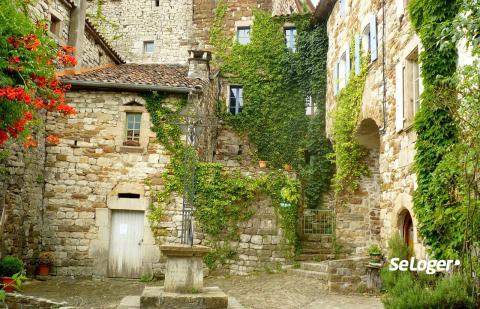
(28, 84)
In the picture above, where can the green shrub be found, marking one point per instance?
(10, 265)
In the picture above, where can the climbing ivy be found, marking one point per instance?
(434, 200)
(223, 199)
(349, 156)
(276, 83)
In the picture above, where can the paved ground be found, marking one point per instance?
(261, 291)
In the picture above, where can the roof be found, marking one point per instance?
(100, 39)
(142, 77)
(324, 8)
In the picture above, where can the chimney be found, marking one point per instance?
(77, 29)
(199, 64)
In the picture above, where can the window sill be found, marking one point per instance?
(131, 149)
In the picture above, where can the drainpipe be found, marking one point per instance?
(384, 129)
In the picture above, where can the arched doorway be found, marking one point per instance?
(407, 229)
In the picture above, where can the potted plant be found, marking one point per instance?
(375, 254)
(45, 261)
(10, 270)
(262, 164)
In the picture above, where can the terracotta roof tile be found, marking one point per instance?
(169, 75)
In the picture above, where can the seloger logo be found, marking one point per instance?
(429, 266)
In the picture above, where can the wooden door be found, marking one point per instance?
(125, 256)
(408, 231)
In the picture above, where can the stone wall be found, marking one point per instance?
(394, 182)
(21, 204)
(238, 12)
(86, 171)
(93, 54)
(42, 10)
(131, 23)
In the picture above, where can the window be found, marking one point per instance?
(343, 7)
(133, 129)
(342, 71)
(366, 39)
(243, 35)
(157, 2)
(290, 35)
(55, 25)
(309, 106)
(411, 73)
(148, 47)
(236, 99)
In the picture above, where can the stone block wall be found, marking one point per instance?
(42, 10)
(131, 23)
(238, 11)
(86, 170)
(19, 301)
(22, 177)
(394, 182)
(93, 54)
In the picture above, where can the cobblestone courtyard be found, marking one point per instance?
(260, 291)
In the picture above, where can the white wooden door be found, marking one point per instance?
(125, 257)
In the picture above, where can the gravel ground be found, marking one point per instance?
(259, 291)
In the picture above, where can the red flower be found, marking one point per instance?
(31, 42)
(66, 109)
(28, 116)
(14, 60)
(30, 142)
(3, 137)
(39, 103)
(53, 140)
(68, 49)
(13, 41)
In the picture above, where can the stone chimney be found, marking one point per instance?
(199, 64)
(77, 29)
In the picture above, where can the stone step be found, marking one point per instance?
(133, 302)
(314, 257)
(322, 277)
(316, 251)
(320, 267)
(316, 237)
(316, 244)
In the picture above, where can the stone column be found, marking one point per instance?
(77, 30)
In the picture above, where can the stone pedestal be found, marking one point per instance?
(184, 268)
(183, 282)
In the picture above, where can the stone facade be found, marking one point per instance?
(131, 23)
(93, 54)
(21, 205)
(377, 209)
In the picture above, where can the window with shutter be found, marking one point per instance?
(357, 53)
(373, 38)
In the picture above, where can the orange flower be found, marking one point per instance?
(30, 142)
(53, 140)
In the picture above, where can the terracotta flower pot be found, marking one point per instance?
(287, 167)
(43, 270)
(8, 283)
(262, 164)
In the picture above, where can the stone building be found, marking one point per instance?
(87, 198)
(381, 31)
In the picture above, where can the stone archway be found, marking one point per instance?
(358, 223)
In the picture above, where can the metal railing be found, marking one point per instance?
(318, 221)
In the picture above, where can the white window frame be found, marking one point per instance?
(294, 37)
(238, 104)
(247, 39)
(145, 47)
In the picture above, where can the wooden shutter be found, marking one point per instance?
(400, 7)
(373, 38)
(399, 97)
(357, 53)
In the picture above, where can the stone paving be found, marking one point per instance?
(259, 291)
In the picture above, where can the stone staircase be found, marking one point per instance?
(343, 275)
(316, 248)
